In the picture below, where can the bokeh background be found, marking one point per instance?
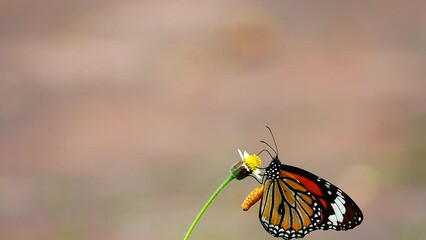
(118, 119)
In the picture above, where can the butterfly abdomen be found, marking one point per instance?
(254, 196)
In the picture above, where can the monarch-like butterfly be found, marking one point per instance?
(294, 202)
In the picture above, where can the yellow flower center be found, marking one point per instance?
(253, 162)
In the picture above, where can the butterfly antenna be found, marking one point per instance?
(267, 144)
(265, 150)
(273, 138)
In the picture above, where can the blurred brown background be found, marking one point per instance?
(118, 119)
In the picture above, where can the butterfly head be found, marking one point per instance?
(272, 172)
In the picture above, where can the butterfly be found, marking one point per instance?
(295, 202)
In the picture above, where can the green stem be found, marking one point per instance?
(191, 228)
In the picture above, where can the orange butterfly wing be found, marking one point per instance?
(296, 202)
(288, 209)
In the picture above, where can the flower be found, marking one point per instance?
(249, 164)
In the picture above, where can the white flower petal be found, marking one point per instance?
(246, 155)
(241, 154)
(256, 173)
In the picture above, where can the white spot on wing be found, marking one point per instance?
(333, 219)
(340, 204)
(337, 213)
